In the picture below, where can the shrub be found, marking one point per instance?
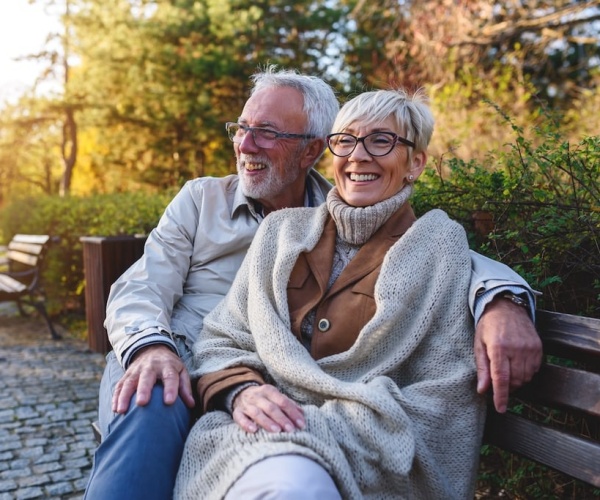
(71, 218)
(535, 208)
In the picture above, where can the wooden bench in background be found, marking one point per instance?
(21, 282)
(568, 439)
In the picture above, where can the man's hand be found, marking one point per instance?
(152, 363)
(508, 350)
(264, 406)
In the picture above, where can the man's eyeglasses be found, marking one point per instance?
(376, 144)
(262, 137)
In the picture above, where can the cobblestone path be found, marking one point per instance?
(48, 399)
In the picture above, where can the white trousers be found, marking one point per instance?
(284, 477)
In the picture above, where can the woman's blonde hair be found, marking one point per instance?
(411, 112)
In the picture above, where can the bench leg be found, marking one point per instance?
(22, 311)
(41, 309)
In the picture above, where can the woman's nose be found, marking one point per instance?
(360, 153)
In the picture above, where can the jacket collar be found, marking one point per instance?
(368, 257)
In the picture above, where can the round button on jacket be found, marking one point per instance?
(323, 325)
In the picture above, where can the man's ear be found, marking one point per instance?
(312, 152)
(419, 160)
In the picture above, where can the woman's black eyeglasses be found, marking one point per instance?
(376, 144)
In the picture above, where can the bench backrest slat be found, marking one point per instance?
(31, 248)
(570, 454)
(568, 386)
(11, 285)
(564, 386)
(568, 333)
(23, 258)
(38, 239)
(27, 249)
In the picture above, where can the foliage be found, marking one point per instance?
(503, 475)
(29, 148)
(552, 44)
(71, 218)
(160, 79)
(147, 84)
(533, 207)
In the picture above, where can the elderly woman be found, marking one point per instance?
(340, 364)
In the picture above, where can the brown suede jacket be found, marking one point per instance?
(342, 311)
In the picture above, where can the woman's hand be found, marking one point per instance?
(264, 406)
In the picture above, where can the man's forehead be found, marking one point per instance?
(273, 107)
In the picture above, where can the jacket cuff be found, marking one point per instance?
(486, 297)
(214, 386)
(157, 338)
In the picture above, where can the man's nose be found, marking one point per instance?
(248, 145)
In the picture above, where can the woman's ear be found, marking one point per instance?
(419, 160)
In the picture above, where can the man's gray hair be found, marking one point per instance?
(410, 111)
(320, 102)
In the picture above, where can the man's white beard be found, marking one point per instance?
(272, 182)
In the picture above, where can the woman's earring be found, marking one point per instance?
(411, 178)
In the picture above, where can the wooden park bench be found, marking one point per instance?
(558, 424)
(569, 381)
(20, 283)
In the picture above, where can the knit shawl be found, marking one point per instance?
(395, 416)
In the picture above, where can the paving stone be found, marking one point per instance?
(15, 473)
(37, 441)
(73, 455)
(26, 412)
(19, 464)
(35, 480)
(7, 485)
(8, 415)
(79, 463)
(65, 475)
(32, 452)
(29, 493)
(13, 444)
(48, 458)
(59, 489)
(47, 467)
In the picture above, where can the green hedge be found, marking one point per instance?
(71, 218)
(534, 206)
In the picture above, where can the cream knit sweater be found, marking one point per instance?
(395, 416)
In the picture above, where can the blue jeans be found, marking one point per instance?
(140, 450)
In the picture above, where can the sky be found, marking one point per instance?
(23, 31)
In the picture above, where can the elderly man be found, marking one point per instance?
(156, 309)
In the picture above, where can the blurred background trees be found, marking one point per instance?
(145, 86)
